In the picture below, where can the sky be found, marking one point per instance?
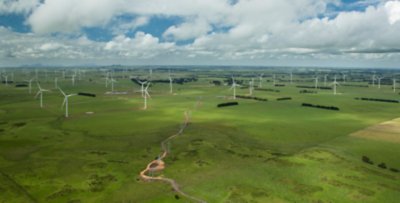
(321, 33)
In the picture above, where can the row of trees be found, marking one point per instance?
(382, 165)
(313, 87)
(377, 100)
(333, 108)
(251, 97)
(267, 90)
(284, 98)
(307, 92)
(227, 104)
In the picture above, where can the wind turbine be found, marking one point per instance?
(260, 80)
(145, 95)
(325, 79)
(273, 79)
(170, 83)
(334, 84)
(73, 79)
(234, 85)
(65, 102)
(142, 83)
(394, 84)
(291, 77)
(344, 77)
(6, 79)
(373, 80)
(40, 92)
(316, 82)
(56, 82)
(379, 82)
(30, 85)
(107, 79)
(251, 86)
(112, 84)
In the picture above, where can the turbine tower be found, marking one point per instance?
(6, 79)
(325, 79)
(379, 82)
(291, 77)
(112, 84)
(30, 85)
(334, 84)
(65, 102)
(273, 79)
(73, 80)
(146, 95)
(260, 78)
(251, 86)
(394, 84)
(170, 83)
(373, 80)
(234, 85)
(316, 82)
(56, 83)
(40, 92)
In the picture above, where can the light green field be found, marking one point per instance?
(275, 151)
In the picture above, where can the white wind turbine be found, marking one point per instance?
(146, 95)
(40, 92)
(107, 79)
(251, 86)
(170, 83)
(56, 82)
(73, 79)
(65, 102)
(30, 85)
(316, 82)
(373, 80)
(344, 77)
(394, 84)
(291, 77)
(112, 81)
(325, 79)
(6, 79)
(274, 79)
(142, 83)
(234, 85)
(334, 84)
(379, 81)
(260, 78)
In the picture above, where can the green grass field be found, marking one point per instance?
(274, 151)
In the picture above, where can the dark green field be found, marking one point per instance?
(273, 151)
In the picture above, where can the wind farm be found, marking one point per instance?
(107, 148)
(199, 101)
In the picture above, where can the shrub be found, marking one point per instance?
(367, 160)
(394, 170)
(382, 165)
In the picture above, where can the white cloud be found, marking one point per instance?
(247, 30)
(393, 10)
(18, 6)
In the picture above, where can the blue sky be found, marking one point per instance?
(206, 32)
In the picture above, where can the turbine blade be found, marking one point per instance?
(37, 94)
(62, 105)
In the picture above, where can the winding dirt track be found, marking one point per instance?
(159, 165)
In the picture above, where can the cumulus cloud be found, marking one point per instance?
(393, 10)
(220, 29)
(18, 6)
